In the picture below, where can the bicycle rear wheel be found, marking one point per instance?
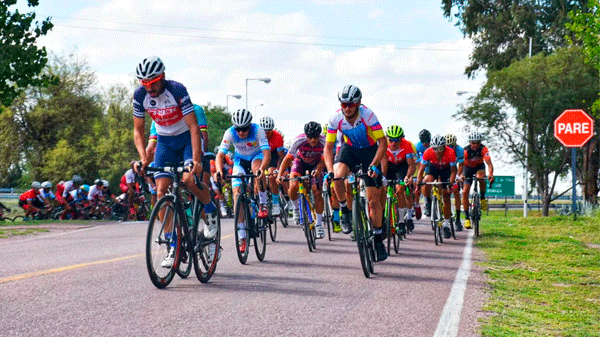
(163, 230)
(241, 220)
(260, 240)
(185, 258)
(205, 252)
(359, 235)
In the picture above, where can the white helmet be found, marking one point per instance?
(241, 118)
(36, 185)
(149, 68)
(450, 139)
(475, 136)
(46, 184)
(105, 183)
(350, 94)
(438, 141)
(267, 123)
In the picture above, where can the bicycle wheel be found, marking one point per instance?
(260, 240)
(327, 215)
(242, 221)
(440, 229)
(284, 210)
(163, 229)
(272, 223)
(388, 223)
(369, 241)
(205, 252)
(475, 214)
(308, 233)
(452, 228)
(359, 235)
(434, 219)
(17, 218)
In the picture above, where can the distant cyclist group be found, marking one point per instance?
(350, 156)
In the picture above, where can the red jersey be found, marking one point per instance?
(30, 194)
(404, 152)
(474, 158)
(448, 158)
(275, 141)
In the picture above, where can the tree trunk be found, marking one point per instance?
(591, 163)
(546, 204)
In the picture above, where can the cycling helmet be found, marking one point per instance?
(46, 184)
(451, 139)
(241, 118)
(85, 188)
(36, 185)
(149, 68)
(76, 179)
(475, 136)
(98, 182)
(424, 136)
(394, 131)
(105, 183)
(350, 94)
(438, 141)
(312, 129)
(267, 123)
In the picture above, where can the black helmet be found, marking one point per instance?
(424, 136)
(312, 129)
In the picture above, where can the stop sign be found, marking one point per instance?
(573, 128)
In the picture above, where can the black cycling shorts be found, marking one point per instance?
(396, 171)
(442, 174)
(470, 172)
(353, 157)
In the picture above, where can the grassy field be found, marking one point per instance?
(544, 275)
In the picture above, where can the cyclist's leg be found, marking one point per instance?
(457, 197)
(482, 186)
(316, 184)
(274, 190)
(293, 193)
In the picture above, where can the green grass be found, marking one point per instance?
(544, 275)
(6, 232)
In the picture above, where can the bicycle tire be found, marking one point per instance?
(369, 241)
(260, 239)
(359, 236)
(388, 223)
(440, 228)
(475, 214)
(305, 223)
(452, 228)
(284, 210)
(18, 217)
(273, 228)
(242, 210)
(434, 219)
(204, 267)
(327, 216)
(157, 245)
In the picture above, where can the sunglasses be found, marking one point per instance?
(478, 142)
(148, 83)
(346, 105)
(244, 129)
(394, 139)
(439, 149)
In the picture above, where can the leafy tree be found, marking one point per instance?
(501, 29)
(218, 121)
(21, 61)
(538, 89)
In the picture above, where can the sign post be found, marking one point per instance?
(573, 128)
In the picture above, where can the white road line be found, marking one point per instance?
(450, 318)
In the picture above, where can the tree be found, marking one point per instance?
(21, 61)
(218, 121)
(538, 89)
(501, 29)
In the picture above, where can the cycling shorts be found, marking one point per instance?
(353, 156)
(443, 174)
(274, 158)
(396, 171)
(172, 150)
(470, 172)
(299, 168)
(35, 202)
(241, 166)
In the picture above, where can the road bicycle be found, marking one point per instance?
(306, 210)
(475, 207)
(391, 217)
(170, 228)
(245, 218)
(327, 209)
(361, 224)
(3, 216)
(437, 213)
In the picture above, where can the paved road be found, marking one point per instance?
(92, 280)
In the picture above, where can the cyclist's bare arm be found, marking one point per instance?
(139, 138)
(328, 156)
(287, 161)
(488, 162)
(412, 167)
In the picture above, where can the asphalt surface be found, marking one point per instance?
(91, 280)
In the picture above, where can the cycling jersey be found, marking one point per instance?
(275, 141)
(420, 149)
(302, 149)
(29, 195)
(167, 110)
(46, 195)
(474, 158)
(127, 178)
(95, 192)
(448, 158)
(365, 131)
(63, 189)
(200, 118)
(404, 152)
(460, 153)
(248, 147)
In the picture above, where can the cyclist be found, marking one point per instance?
(460, 158)
(438, 163)
(252, 154)
(63, 195)
(106, 192)
(96, 191)
(422, 145)
(306, 154)
(476, 156)
(30, 200)
(178, 136)
(364, 144)
(129, 186)
(46, 193)
(399, 163)
(276, 144)
(335, 204)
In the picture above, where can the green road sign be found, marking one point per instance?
(504, 186)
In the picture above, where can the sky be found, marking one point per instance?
(405, 56)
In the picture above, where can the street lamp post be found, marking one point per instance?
(227, 101)
(266, 80)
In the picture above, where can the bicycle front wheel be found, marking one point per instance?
(434, 219)
(476, 213)
(163, 230)
(327, 215)
(284, 210)
(205, 252)
(273, 228)
(260, 240)
(241, 223)
(359, 235)
(306, 226)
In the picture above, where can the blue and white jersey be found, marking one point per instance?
(46, 195)
(248, 147)
(420, 148)
(460, 153)
(167, 110)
